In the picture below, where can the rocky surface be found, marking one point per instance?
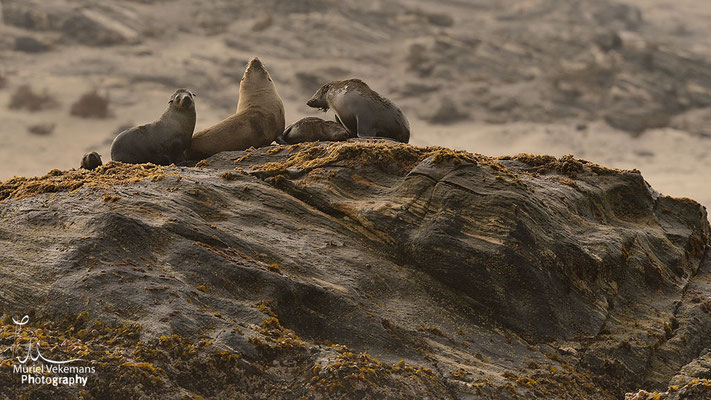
(361, 269)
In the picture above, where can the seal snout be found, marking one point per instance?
(316, 103)
(255, 65)
(184, 99)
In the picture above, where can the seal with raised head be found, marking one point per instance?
(361, 110)
(259, 118)
(161, 142)
(311, 129)
(91, 161)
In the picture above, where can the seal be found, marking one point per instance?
(361, 110)
(91, 161)
(311, 129)
(161, 142)
(259, 118)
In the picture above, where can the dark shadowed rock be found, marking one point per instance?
(330, 270)
(637, 122)
(619, 15)
(28, 44)
(446, 112)
(98, 29)
(25, 97)
(96, 25)
(42, 129)
(34, 15)
(608, 41)
(91, 105)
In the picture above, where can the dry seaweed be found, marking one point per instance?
(396, 157)
(111, 174)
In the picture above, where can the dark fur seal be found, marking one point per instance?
(91, 161)
(161, 142)
(362, 111)
(311, 129)
(259, 118)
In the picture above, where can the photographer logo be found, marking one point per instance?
(36, 369)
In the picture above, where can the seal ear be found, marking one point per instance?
(170, 101)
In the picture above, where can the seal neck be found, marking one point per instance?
(185, 119)
(251, 97)
(183, 114)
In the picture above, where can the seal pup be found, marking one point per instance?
(91, 161)
(161, 142)
(259, 118)
(361, 110)
(311, 129)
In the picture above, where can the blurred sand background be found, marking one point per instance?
(624, 83)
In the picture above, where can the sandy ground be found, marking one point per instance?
(134, 76)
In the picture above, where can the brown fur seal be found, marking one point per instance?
(361, 110)
(161, 142)
(311, 129)
(258, 121)
(91, 161)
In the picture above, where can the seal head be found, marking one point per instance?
(183, 100)
(255, 76)
(91, 161)
(318, 100)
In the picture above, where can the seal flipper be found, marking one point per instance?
(364, 128)
(352, 130)
(176, 153)
(281, 139)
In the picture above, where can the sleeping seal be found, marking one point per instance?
(311, 129)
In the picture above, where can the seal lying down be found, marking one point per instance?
(312, 129)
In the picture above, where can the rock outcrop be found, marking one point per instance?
(359, 269)
(100, 25)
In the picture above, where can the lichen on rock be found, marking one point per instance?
(361, 268)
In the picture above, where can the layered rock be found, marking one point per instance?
(360, 268)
